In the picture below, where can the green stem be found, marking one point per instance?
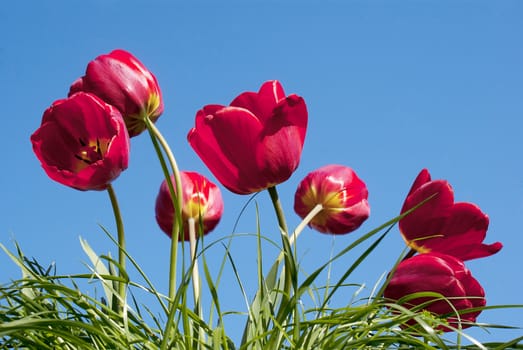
(121, 248)
(278, 209)
(288, 263)
(176, 188)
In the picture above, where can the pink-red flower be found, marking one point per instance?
(121, 80)
(441, 274)
(82, 142)
(440, 225)
(342, 194)
(254, 143)
(202, 201)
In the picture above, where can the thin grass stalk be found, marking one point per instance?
(151, 288)
(224, 260)
(195, 273)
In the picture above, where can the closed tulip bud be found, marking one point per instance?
(82, 142)
(202, 201)
(440, 225)
(121, 80)
(256, 142)
(342, 195)
(441, 274)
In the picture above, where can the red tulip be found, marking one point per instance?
(254, 143)
(342, 194)
(202, 201)
(82, 142)
(120, 79)
(440, 225)
(442, 274)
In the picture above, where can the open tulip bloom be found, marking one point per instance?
(82, 142)
(341, 194)
(121, 80)
(443, 275)
(440, 225)
(255, 142)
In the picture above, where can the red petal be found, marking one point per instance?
(261, 104)
(428, 219)
(282, 140)
(422, 178)
(441, 274)
(65, 125)
(226, 141)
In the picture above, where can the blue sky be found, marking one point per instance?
(390, 89)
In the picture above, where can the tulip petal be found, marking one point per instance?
(261, 104)
(427, 220)
(201, 200)
(282, 140)
(226, 141)
(465, 229)
(441, 274)
(422, 178)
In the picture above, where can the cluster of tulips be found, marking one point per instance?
(251, 145)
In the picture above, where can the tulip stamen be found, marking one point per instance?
(90, 152)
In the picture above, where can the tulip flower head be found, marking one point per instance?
(254, 143)
(202, 201)
(342, 194)
(442, 274)
(440, 225)
(82, 142)
(121, 80)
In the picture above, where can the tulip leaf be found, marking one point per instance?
(99, 269)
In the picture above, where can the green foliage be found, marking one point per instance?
(43, 310)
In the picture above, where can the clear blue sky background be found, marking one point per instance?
(391, 88)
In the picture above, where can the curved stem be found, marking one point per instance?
(176, 188)
(175, 191)
(121, 248)
(306, 220)
(302, 225)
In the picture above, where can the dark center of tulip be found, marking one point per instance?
(90, 152)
